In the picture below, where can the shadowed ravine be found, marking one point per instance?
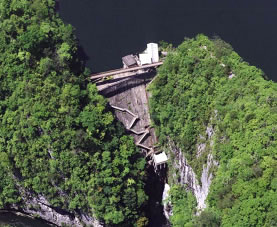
(154, 189)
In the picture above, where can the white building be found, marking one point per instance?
(153, 50)
(160, 160)
(150, 55)
(145, 59)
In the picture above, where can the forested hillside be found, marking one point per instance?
(58, 138)
(202, 85)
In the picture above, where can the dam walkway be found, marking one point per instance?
(119, 71)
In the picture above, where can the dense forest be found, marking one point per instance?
(58, 137)
(204, 82)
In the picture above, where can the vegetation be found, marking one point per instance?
(183, 203)
(204, 82)
(57, 136)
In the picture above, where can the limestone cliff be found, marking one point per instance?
(34, 205)
(38, 206)
(187, 177)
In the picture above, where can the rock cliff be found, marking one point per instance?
(39, 206)
(187, 177)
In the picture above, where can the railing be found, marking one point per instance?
(117, 71)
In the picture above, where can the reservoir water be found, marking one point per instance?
(109, 29)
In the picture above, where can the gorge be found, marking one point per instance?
(67, 159)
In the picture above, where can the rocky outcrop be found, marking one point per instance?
(166, 203)
(187, 175)
(38, 206)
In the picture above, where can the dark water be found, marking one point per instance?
(12, 220)
(110, 29)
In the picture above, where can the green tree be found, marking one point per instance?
(58, 137)
(194, 90)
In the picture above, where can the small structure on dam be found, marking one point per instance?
(128, 96)
(160, 160)
(129, 61)
(149, 56)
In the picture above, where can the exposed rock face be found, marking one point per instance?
(40, 207)
(187, 175)
(166, 203)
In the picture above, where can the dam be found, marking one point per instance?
(126, 91)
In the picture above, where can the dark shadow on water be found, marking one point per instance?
(82, 53)
(57, 5)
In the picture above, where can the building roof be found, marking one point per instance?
(145, 59)
(160, 158)
(129, 60)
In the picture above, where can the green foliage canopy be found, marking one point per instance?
(204, 82)
(57, 136)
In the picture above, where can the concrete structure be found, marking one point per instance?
(153, 50)
(150, 55)
(160, 160)
(122, 71)
(128, 96)
(126, 90)
(145, 59)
